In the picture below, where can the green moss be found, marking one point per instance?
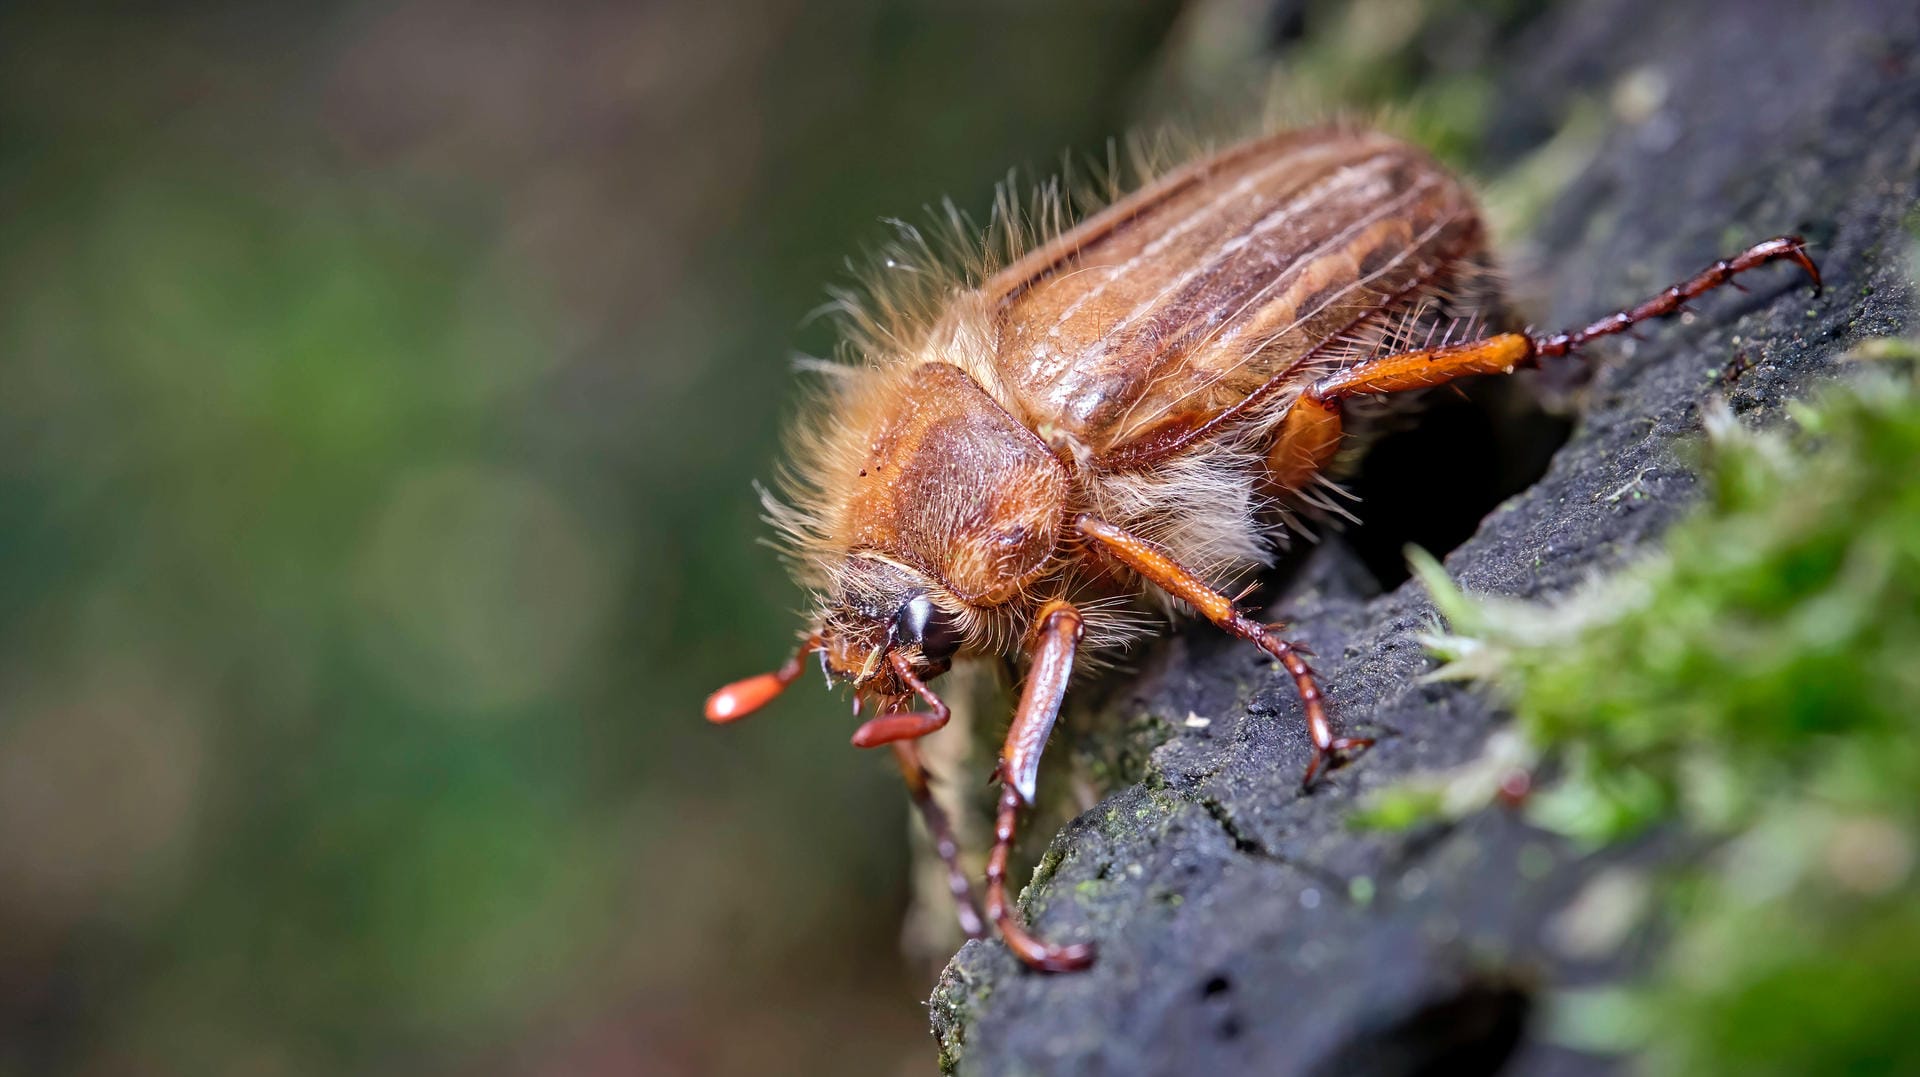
(1754, 682)
(1887, 348)
(1781, 616)
(1048, 865)
(1399, 808)
(952, 1010)
(1911, 222)
(1819, 978)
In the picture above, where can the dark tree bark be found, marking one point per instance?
(1244, 927)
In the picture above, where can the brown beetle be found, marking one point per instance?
(1127, 406)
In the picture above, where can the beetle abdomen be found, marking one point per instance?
(1177, 302)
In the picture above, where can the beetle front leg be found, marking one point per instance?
(903, 724)
(1175, 579)
(920, 786)
(901, 728)
(1055, 640)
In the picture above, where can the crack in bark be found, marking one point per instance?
(1249, 846)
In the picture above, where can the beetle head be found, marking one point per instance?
(878, 608)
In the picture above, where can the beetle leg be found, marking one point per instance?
(1055, 640)
(903, 724)
(1310, 434)
(919, 784)
(1308, 440)
(1175, 579)
(1501, 353)
(1780, 248)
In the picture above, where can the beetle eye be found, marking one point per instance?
(922, 622)
(910, 623)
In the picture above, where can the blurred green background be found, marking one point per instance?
(381, 386)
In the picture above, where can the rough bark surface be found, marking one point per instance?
(1245, 927)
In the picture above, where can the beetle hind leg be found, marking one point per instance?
(1308, 440)
(1310, 434)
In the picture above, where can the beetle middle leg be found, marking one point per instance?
(1310, 434)
(1175, 579)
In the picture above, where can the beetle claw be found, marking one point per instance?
(1336, 754)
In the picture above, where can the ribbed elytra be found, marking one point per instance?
(1128, 406)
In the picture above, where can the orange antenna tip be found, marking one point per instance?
(741, 698)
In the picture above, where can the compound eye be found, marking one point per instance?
(911, 620)
(922, 622)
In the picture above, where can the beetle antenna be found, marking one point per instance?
(741, 698)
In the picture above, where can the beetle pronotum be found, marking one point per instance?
(1123, 408)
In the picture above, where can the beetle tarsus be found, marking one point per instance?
(1337, 752)
(1673, 300)
(1037, 955)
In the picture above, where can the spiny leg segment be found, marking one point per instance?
(1311, 433)
(1175, 579)
(919, 784)
(1780, 248)
(1056, 638)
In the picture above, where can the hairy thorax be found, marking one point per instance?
(952, 485)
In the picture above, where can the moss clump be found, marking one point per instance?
(1757, 682)
(1779, 624)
